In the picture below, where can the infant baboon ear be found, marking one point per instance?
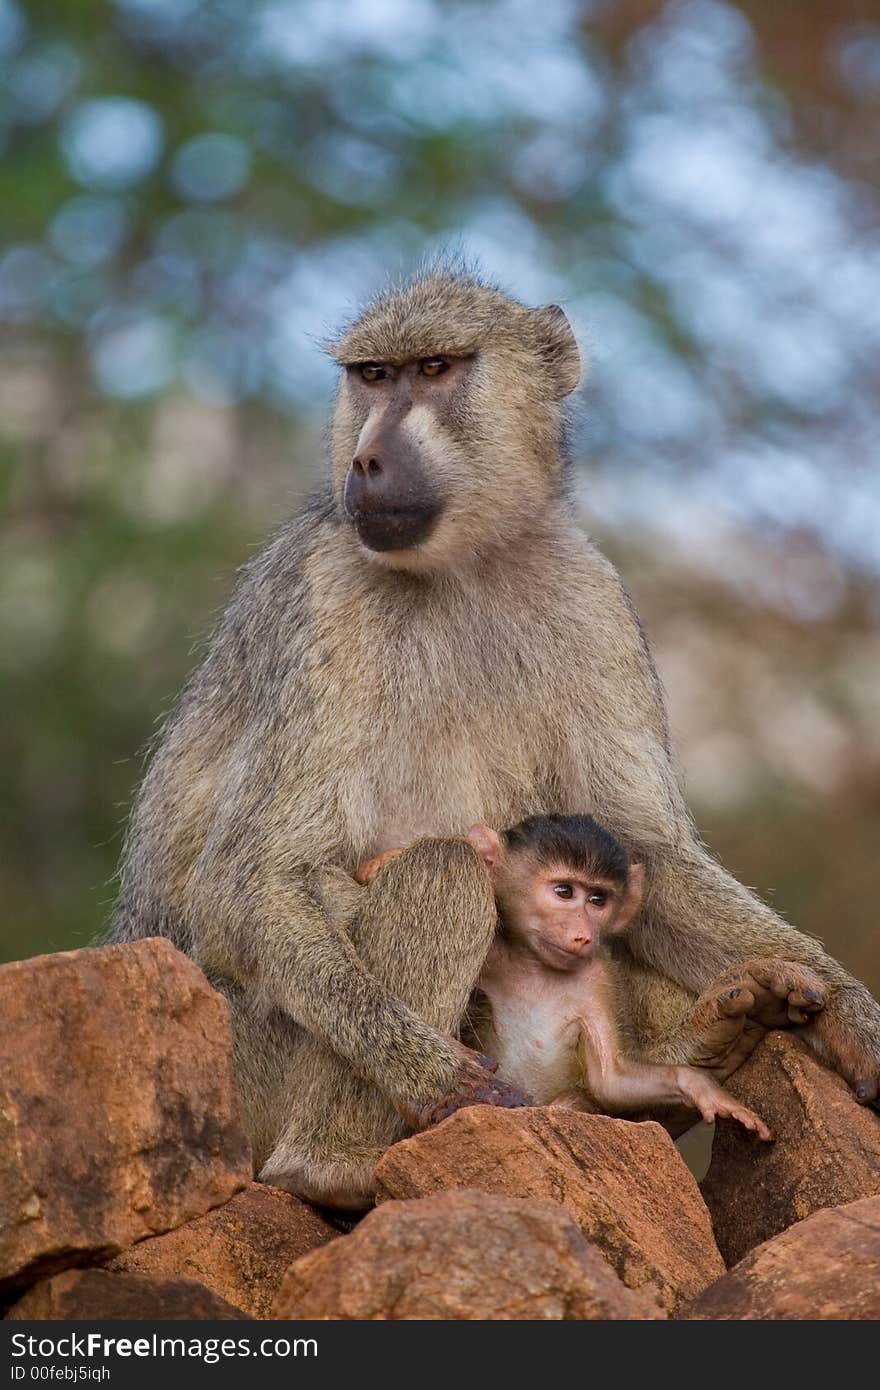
(559, 349)
(633, 897)
(487, 843)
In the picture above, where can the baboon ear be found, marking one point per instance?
(633, 897)
(487, 843)
(559, 348)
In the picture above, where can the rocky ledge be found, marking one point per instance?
(126, 1187)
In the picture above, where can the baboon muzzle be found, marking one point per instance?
(398, 530)
(388, 500)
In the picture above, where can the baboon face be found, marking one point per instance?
(562, 912)
(395, 491)
(447, 430)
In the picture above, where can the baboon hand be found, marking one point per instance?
(784, 991)
(700, 1092)
(472, 1084)
(368, 869)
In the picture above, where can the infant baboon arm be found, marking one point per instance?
(620, 1085)
(699, 1091)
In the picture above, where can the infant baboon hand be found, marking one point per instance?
(700, 1092)
(367, 870)
(473, 1084)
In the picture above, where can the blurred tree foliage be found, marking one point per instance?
(193, 193)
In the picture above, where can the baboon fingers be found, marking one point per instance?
(734, 1002)
(784, 978)
(749, 1120)
(772, 980)
(367, 871)
(724, 1107)
(807, 1000)
(473, 1085)
(719, 1023)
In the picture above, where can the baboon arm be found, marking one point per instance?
(302, 962)
(698, 920)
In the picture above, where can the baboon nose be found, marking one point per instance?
(387, 497)
(370, 483)
(369, 467)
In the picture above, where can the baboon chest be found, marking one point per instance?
(456, 731)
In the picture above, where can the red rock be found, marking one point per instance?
(824, 1268)
(86, 1295)
(240, 1251)
(460, 1256)
(623, 1183)
(118, 1112)
(826, 1150)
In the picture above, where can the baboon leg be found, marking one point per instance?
(423, 928)
(336, 1128)
(263, 1044)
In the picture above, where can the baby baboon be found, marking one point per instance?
(559, 1022)
(431, 643)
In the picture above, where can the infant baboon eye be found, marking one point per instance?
(598, 898)
(433, 366)
(563, 890)
(373, 371)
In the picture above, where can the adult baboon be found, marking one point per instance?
(431, 642)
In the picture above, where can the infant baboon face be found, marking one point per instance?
(559, 909)
(563, 915)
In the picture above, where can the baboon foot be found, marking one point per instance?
(732, 1015)
(344, 1186)
(576, 1100)
(853, 1050)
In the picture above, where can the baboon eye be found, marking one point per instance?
(433, 366)
(563, 890)
(598, 898)
(373, 371)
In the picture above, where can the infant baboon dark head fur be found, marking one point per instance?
(447, 431)
(579, 841)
